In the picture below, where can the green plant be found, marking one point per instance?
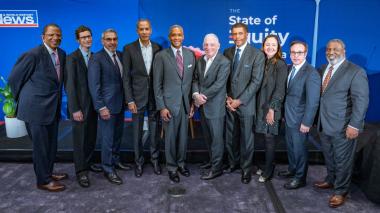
(9, 105)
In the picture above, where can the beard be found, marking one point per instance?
(335, 60)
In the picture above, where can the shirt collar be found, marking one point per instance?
(109, 52)
(336, 65)
(84, 53)
(211, 59)
(50, 50)
(242, 47)
(299, 65)
(142, 45)
(175, 50)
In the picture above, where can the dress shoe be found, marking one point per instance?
(285, 174)
(337, 200)
(156, 167)
(230, 169)
(246, 177)
(59, 176)
(205, 166)
(53, 186)
(138, 170)
(294, 184)
(96, 168)
(323, 185)
(122, 166)
(184, 171)
(173, 176)
(83, 180)
(263, 179)
(113, 178)
(211, 175)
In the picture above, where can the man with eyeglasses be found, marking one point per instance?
(36, 83)
(301, 104)
(80, 108)
(106, 88)
(344, 103)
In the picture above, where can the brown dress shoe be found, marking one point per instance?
(323, 185)
(337, 200)
(53, 186)
(59, 176)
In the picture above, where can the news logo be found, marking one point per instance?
(18, 18)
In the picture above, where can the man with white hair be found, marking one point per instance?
(209, 94)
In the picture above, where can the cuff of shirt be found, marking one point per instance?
(194, 94)
(353, 127)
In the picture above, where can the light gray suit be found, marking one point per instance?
(344, 102)
(173, 92)
(213, 86)
(243, 84)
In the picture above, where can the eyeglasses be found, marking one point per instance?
(85, 37)
(297, 53)
(110, 39)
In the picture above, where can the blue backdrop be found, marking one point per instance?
(352, 21)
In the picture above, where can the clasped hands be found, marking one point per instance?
(232, 104)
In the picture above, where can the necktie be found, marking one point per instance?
(236, 60)
(327, 78)
(292, 74)
(116, 63)
(179, 60)
(86, 59)
(57, 65)
(208, 64)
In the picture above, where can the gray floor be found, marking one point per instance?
(149, 194)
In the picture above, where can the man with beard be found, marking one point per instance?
(343, 105)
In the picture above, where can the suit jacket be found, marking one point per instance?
(302, 97)
(105, 82)
(213, 85)
(245, 81)
(36, 87)
(138, 84)
(169, 89)
(76, 85)
(345, 99)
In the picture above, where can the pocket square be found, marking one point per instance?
(190, 65)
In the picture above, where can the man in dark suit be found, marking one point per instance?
(106, 88)
(36, 83)
(344, 103)
(173, 74)
(80, 108)
(139, 96)
(247, 67)
(209, 93)
(301, 105)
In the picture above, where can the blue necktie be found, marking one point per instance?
(292, 73)
(236, 60)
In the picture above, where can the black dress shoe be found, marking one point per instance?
(246, 177)
(285, 174)
(294, 184)
(205, 166)
(184, 171)
(211, 175)
(122, 166)
(113, 178)
(138, 170)
(96, 168)
(173, 176)
(156, 167)
(83, 180)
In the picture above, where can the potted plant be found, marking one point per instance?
(14, 128)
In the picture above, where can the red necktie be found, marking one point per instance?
(327, 79)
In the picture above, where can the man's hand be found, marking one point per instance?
(228, 104)
(78, 116)
(270, 117)
(235, 103)
(351, 133)
(105, 114)
(200, 99)
(165, 114)
(132, 107)
(304, 129)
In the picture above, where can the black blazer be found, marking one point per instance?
(78, 94)
(36, 87)
(138, 85)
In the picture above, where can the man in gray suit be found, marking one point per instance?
(138, 90)
(172, 80)
(343, 106)
(247, 67)
(209, 93)
(301, 105)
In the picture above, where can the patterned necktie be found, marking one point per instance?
(292, 74)
(236, 60)
(327, 79)
(116, 63)
(57, 65)
(179, 60)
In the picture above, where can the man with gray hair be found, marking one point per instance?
(209, 94)
(343, 105)
(106, 88)
(173, 75)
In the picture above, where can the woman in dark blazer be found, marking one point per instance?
(269, 101)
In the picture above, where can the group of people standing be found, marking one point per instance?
(239, 93)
